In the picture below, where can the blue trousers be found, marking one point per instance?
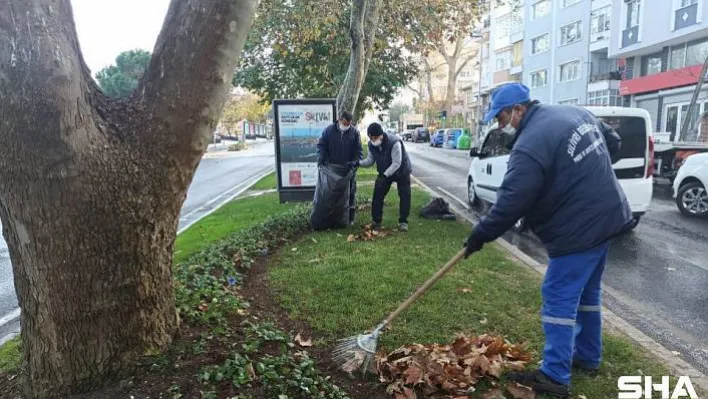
(571, 314)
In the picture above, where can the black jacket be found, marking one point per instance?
(339, 147)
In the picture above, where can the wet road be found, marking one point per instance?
(220, 176)
(657, 275)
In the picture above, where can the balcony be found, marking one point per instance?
(630, 36)
(600, 77)
(685, 17)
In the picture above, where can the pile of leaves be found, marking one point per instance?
(453, 370)
(367, 234)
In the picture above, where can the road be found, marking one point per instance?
(656, 278)
(220, 176)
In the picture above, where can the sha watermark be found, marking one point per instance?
(644, 387)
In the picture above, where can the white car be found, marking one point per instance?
(634, 169)
(690, 186)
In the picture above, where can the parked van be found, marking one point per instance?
(634, 168)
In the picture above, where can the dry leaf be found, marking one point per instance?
(313, 240)
(582, 397)
(294, 249)
(351, 238)
(464, 290)
(483, 321)
(493, 394)
(250, 371)
(518, 391)
(302, 342)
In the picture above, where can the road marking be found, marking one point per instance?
(244, 186)
(10, 317)
(451, 195)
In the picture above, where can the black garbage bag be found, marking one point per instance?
(330, 208)
(437, 209)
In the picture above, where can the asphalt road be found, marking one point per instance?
(220, 176)
(657, 275)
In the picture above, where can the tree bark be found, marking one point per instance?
(91, 187)
(362, 33)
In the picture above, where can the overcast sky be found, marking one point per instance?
(108, 27)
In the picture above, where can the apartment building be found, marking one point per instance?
(665, 43)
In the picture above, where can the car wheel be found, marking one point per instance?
(520, 226)
(636, 221)
(692, 200)
(472, 197)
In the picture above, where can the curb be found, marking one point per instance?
(678, 366)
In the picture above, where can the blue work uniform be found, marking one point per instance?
(560, 179)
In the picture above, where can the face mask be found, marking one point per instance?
(344, 128)
(508, 129)
(376, 143)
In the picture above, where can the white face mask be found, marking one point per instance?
(344, 128)
(508, 129)
(376, 143)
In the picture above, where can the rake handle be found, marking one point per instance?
(426, 286)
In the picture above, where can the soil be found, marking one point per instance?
(154, 377)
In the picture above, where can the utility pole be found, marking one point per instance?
(688, 119)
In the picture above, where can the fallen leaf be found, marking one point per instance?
(413, 375)
(302, 342)
(582, 397)
(313, 240)
(518, 391)
(316, 260)
(203, 307)
(294, 249)
(351, 238)
(250, 371)
(493, 394)
(464, 290)
(483, 321)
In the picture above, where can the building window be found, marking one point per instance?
(633, 9)
(569, 71)
(568, 3)
(688, 54)
(517, 22)
(600, 22)
(539, 78)
(676, 115)
(696, 52)
(605, 98)
(503, 60)
(570, 33)
(652, 64)
(540, 44)
(503, 28)
(686, 3)
(570, 101)
(541, 9)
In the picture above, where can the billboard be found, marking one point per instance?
(298, 128)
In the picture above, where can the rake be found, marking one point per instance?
(358, 352)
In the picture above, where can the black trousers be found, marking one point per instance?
(352, 200)
(382, 188)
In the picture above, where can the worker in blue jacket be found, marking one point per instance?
(560, 179)
(340, 144)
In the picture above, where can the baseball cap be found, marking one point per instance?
(507, 96)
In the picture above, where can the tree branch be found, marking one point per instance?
(194, 58)
(465, 61)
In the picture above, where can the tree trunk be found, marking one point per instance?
(362, 33)
(91, 187)
(451, 84)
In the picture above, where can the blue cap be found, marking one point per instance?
(507, 96)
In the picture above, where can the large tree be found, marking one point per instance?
(91, 187)
(121, 79)
(301, 48)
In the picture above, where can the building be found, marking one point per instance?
(665, 43)
(506, 42)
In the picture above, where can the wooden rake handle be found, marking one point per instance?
(426, 286)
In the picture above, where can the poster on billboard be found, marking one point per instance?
(298, 127)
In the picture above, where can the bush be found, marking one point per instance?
(238, 147)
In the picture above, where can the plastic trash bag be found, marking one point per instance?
(330, 208)
(437, 209)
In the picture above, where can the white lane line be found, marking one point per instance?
(243, 187)
(451, 195)
(10, 317)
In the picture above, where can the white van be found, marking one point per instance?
(634, 169)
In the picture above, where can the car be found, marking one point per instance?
(451, 135)
(690, 186)
(437, 139)
(421, 135)
(407, 135)
(634, 167)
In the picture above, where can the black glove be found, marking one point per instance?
(381, 179)
(472, 244)
(355, 164)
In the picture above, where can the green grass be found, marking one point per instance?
(269, 182)
(10, 355)
(344, 289)
(233, 216)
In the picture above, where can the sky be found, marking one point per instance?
(108, 27)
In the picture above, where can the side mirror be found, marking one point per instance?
(474, 152)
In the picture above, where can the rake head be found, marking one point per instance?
(357, 352)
